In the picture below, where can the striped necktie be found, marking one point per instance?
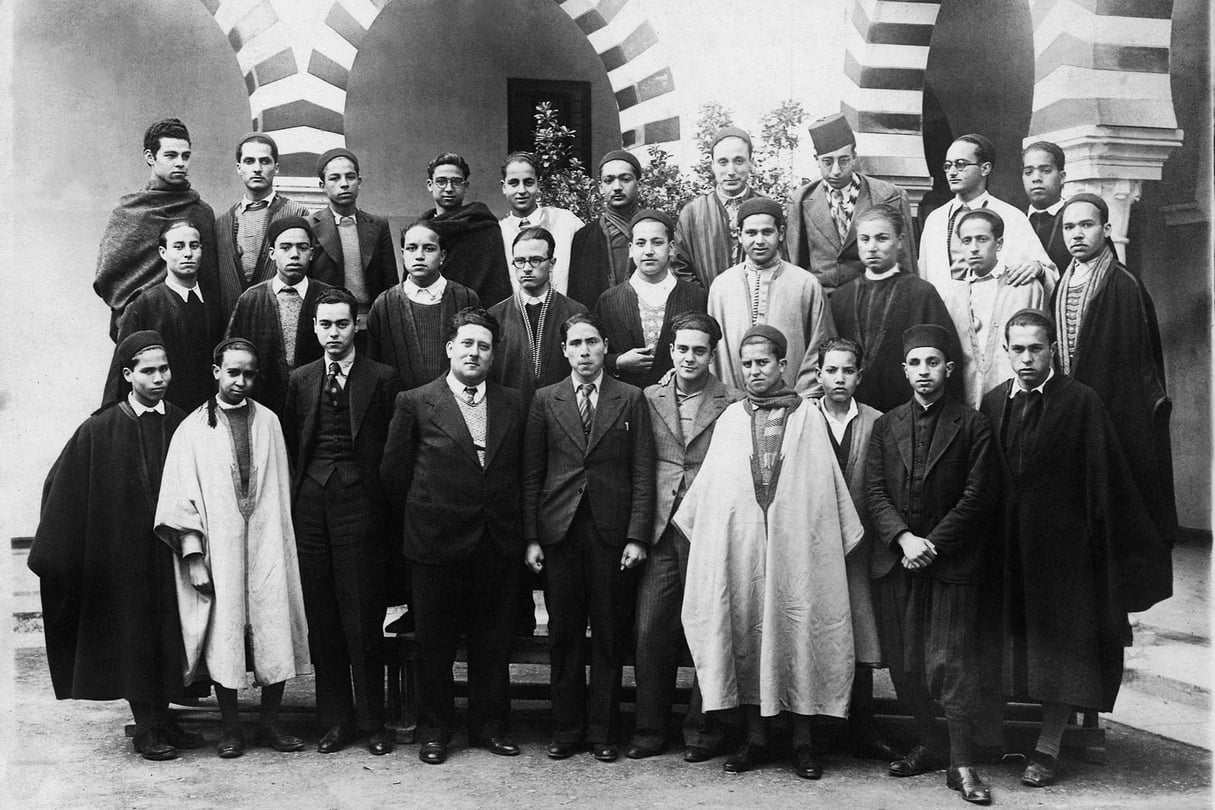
(585, 407)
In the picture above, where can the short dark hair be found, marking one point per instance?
(537, 233)
(991, 217)
(699, 321)
(521, 156)
(1032, 317)
(839, 344)
(168, 128)
(474, 316)
(337, 295)
(428, 225)
(1051, 149)
(173, 225)
(886, 212)
(258, 137)
(777, 352)
(581, 317)
(985, 150)
(448, 159)
(234, 345)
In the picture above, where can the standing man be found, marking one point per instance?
(406, 323)
(637, 313)
(765, 289)
(822, 214)
(189, 324)
(968, 164)
(276, 315)
(1110, 341)
(127, 260)
(765, 608)
(353, 247)
(521, 188)
(707, 235)
(1043, 176)
(453, 459)
(244, 253)
(588, 510)
(1072, 565)
(335, 423)
(682, 414)
(599, 254)
(109, 603)
(931, 492)
(471, 235)
(983, 301)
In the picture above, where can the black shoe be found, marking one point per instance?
(401, 625)
(231, 742)
(178, 737)
(867, 743)
(699, 753)
(562, 750)
(150, 743)
(433, 753)
(335, 739)
(806, 764)
(605, 752)
(917, 761)
(1042, 770)
(641, 752)
(748, 756)
(270, 736)
(379, 742)
(967, 780)
(502, 746)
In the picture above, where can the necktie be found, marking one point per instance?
(289, 306)
(585, 408)
(524, 223)
(471, 393)
(332, 387)
(257, 205)
(839, 214)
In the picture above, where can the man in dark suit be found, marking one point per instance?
(335, 424)
(931, 492)
(353, 247)
(588, 507)
(682, 414)
(453, 458)
(1042, 174)
(244, 253)
(276, 315)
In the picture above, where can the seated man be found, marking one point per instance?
(521, 188)
(765, 607)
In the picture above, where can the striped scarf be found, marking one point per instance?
(533, 338)
(1100, 265)
(768, 421)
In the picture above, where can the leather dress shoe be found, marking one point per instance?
(502, 746)
(748, 756)
(698, 753)
(231, 742)
(271, 736)
(433, 752)
(806, 764)
(967, 780)
(917, 761)
(335, 739)
(178, 737)
(640, 752)
(1041, 771)
(605, 752)
(150, 743)
(562, 750)
(379, 742)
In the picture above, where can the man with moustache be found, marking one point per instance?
(335, 423)
(521, 188)
(821, 235)
(127, 260)
(1043, 176)
(453, 460)
(599, 254)
(244, 254)
(276, 315)
(637, 313)
(176, 309)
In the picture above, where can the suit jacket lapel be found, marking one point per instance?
(568, 414)
(611, 401)
(311, 390)
(820, 215)
(361, 385)
(495, 430)
(366, 238)
(715, 401)
(902, 434)
(447, 417)
(947, 427)
(668, 408)
(327, 235)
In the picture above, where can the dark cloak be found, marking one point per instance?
(475, 257)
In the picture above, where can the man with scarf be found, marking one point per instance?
(1110, 341)
(128, 260)
(766, 608)
(599, 255)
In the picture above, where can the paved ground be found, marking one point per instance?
(73, 754)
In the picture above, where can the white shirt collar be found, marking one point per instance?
(458, 387)
(424, 295)
(722, 196)
(225, 406)
(183, 292)
(653, 295)
(534, 218)
(1016, 386)
(995, 273)
(853, 412)
(533, 299)
(343, 365)
(597, 382)
(140, 409)
(872, 276)
(277, 285)
(982, 201)
(337, 218)
(1052, 209)
(245, 202)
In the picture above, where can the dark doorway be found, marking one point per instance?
(571, 100)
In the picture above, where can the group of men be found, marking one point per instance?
(305, 438)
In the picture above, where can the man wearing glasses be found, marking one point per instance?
(821, 235)
(472, 238)
(968, 165)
